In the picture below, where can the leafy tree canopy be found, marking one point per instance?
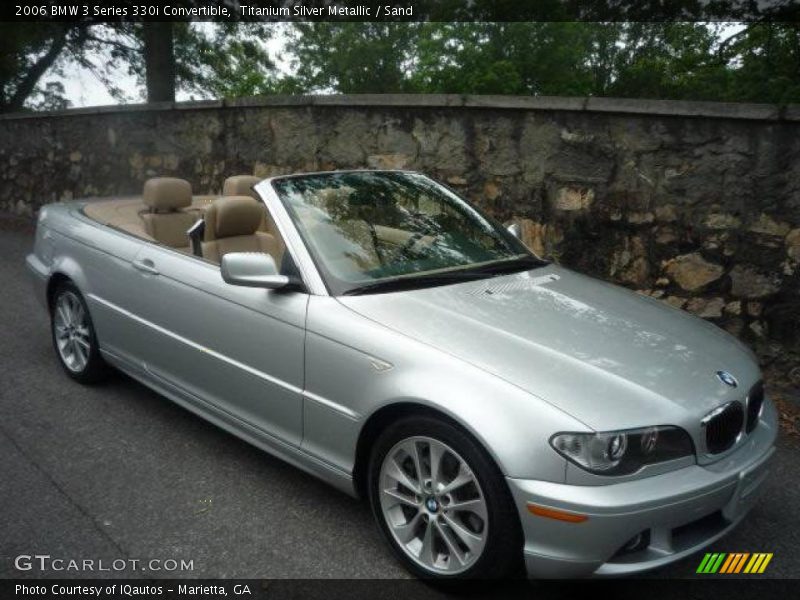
(755, 62)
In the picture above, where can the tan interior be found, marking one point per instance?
(240, 185)
(167, 209)
(232, 225)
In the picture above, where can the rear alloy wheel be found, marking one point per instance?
(441, 502)
(74, 336)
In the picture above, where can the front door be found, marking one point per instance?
(238, 349)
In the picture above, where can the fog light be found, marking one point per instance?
(637, 543)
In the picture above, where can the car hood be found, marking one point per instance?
(605, 355)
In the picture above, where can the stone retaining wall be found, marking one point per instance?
(694, 203)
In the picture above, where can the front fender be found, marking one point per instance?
(356, 367)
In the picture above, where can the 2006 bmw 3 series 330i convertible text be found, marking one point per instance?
(376, 330)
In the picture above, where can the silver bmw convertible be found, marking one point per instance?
(378, 331)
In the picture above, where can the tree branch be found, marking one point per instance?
(28, 83)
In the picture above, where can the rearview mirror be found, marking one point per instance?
(252, 269)
(515, 230)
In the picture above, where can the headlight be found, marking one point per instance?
(623, 452)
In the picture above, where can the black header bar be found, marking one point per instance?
(97, 11)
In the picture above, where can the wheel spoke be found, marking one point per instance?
(70, 305)
(475, 505)
(436, 452)
(394, 471)
(414, 453)
(78, 308)
(451, 544)
(69, 351)
(463, 477)
(63, 312)
(426, 551)
(469, 539)
(407, 531)
(81, 353)
(402, 498)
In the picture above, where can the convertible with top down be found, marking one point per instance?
(496, 410)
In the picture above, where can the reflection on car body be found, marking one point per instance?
(378, 331)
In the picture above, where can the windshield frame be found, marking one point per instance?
(338, 287)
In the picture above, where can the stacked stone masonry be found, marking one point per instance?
(697, 204)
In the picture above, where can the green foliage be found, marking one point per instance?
(353, 58)
(225, 60)
(692, 61)
(756, 62)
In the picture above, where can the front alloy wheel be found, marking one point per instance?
(442, 503)
(433, 505)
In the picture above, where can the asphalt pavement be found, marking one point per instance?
(117, 472)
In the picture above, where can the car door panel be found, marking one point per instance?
(239, 349)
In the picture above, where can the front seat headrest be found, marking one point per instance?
(240, 185)
(237, 215)
(167, 194)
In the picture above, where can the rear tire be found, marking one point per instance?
(442, 504)
(74, 337)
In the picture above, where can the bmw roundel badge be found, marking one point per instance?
(727, 378)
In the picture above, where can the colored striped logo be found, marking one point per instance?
(734, 562)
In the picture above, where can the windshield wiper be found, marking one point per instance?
(414, 282)
(511, 265)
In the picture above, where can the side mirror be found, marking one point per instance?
(515, 230)
(252, 269)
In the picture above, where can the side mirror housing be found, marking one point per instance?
(515, 230)
(252, 269)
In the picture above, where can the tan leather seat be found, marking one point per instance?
(167, 219)
(240, 185)
(231, 225)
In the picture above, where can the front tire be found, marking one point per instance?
(442, 503)
(74, 337)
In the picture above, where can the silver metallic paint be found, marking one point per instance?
(512, 359)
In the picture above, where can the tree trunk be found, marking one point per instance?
(25, 88)
(159, 61)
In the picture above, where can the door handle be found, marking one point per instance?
(146, 265)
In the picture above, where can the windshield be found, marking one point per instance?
(365, 227)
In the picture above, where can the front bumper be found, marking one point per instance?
(681, 511)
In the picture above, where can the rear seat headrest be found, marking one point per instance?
(237, 215)
(167, 193)
(240, 185)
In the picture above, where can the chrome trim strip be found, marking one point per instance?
(717, 411)
(265, 440)
(739, 437)
(235, 363)
(332, 405)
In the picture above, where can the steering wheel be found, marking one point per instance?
(412, 241)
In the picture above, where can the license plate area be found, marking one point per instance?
(748, 489)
